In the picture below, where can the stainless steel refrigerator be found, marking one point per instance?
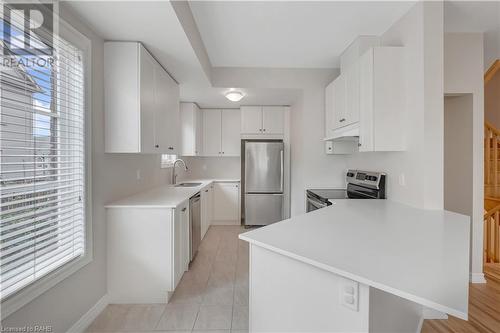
(263, 181)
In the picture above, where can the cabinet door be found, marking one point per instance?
(339, 102)
(180, 239)
(273, 119)
(211, 132)
(352, 95)
(198, 131)
(329, 109)
(251, 119)
(188, 129)
(205, 220)
(167, 112)
(366, 142)
(147, 101)
(226, 198)
(231, 132)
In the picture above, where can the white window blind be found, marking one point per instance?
(42, 160)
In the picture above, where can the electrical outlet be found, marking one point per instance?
(349, 293)
(138, 174)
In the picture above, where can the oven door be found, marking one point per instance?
(313, 204)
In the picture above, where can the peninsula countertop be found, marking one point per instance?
(420, 255)
(165, 196)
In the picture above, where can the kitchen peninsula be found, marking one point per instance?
(358, 266)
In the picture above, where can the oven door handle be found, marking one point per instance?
(316, 203)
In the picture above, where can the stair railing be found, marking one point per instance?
(492, 235)
(491, 147)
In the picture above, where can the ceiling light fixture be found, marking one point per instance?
(234, 96)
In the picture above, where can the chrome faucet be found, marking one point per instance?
(174, 176)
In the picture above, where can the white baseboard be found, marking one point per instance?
(477, 278)
(84, 322)
(428, 313)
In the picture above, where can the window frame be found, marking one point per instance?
(28, 293)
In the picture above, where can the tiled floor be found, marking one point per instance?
(212, 296)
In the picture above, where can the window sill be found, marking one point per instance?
(32, 291)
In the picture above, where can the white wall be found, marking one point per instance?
(464, 74)
(310, 166)
(210, 167)
(421, 165)
(458, 158)
(114, 176)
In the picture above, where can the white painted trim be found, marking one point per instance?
(420, 324)
(84, 322)
(477, 278)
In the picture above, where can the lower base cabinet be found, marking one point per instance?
(226, 203)
(147, 251)
(206, 209)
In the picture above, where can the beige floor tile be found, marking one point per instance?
(239, 331)
(110, 319)
(240, 318)
(211, 317)
(218, 295)
(211, 331)
(179, 316)
(142, 317)
(241, 293)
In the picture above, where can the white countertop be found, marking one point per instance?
(420, 255)
(166, 196)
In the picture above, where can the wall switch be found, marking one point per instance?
(349, 293)
(402, 180)
(138, 174)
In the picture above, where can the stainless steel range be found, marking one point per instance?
(360, 185)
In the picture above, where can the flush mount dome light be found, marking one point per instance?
(234, 96)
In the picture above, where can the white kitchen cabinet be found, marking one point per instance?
(226, 199)
(206, 210)
(191, 130)
(273, 119)
(262, 120)
(147, 251)
(231, 132)
(212, 127)
(181, 241)
(251, 119)
(382, 100)
(338, 102)
(141, 102)
(351, 107)
(221, 132)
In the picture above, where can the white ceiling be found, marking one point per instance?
(471, 16)
(211, 97)
(154, 23)
(288, 33)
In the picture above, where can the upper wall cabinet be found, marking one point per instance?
(382, 100)
(221, 132)
(262, 120)
(191, 130)
(141, 102)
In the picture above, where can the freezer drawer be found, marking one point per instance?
(263, 209)
(264, 167)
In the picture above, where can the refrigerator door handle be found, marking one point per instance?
(282, 168)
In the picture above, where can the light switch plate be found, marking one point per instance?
(349, 293)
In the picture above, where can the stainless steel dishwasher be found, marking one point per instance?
(194, 224)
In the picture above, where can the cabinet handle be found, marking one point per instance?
(342, 120)
(206, 191)
(222, 152)
(263, 129)
(359, 144)
(157, 146)
(184, 209)
(260, 129)
(171, 148)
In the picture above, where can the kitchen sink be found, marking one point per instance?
(188, 185)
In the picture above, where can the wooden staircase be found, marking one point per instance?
(491, 199)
